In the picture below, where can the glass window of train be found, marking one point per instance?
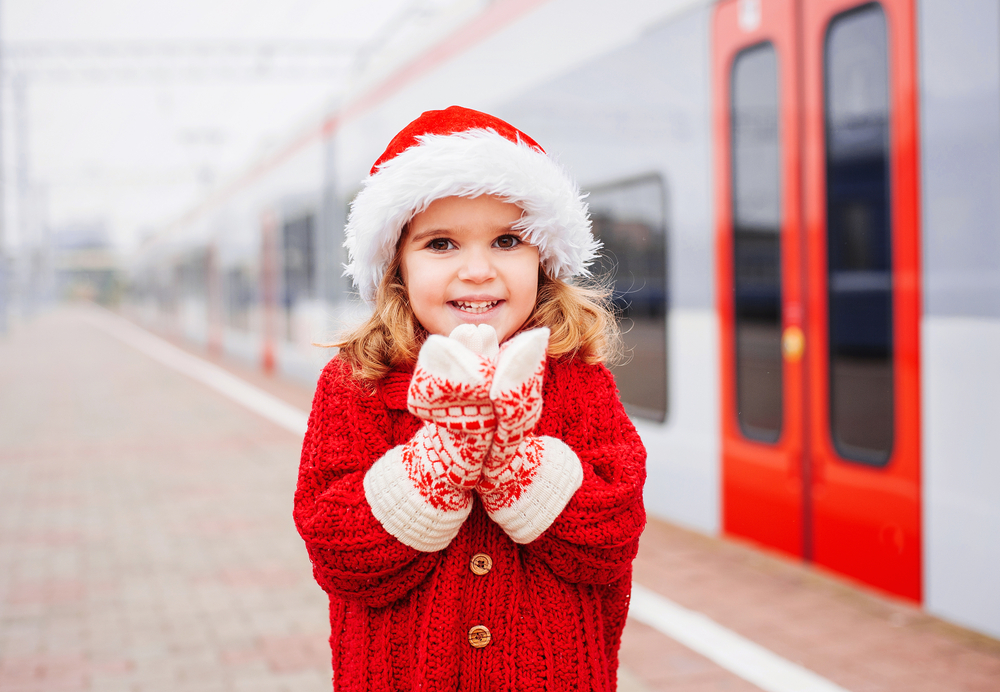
(193, 274)
(630, 220)
(757, 242)
(859, 236)
(299, 259)
(239, 290)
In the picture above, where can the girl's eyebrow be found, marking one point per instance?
(434, 232)
(429, 233)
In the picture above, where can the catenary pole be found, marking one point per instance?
(3, 189)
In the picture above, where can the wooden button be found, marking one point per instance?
(479, 636)
(481, 564)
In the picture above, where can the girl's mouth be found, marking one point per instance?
(475, 307)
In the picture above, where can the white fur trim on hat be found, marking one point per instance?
(468, 164)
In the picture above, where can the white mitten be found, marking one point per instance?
(527, 479)
(478, 338)
(420, 491)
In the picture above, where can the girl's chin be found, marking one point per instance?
(478, 319)
(495, 323)
(497, 317)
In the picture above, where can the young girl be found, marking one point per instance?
(470, 490)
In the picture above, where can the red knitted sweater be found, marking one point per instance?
(400, 618)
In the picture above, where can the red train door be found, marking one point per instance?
(756, 84)
(818, 282)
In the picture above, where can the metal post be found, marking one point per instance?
(329, 236)
(268, 289)
(3, 209)
(25, 240)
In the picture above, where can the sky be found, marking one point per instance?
(124, 114)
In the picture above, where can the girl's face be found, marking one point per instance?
(462, 263)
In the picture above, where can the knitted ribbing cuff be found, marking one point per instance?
(559, 476)
(404, 512)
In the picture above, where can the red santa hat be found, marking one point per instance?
(465, 153)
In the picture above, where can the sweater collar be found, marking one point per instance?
(395, 386)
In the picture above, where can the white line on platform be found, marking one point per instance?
(257, 400)
(735, 653)
(729, 650)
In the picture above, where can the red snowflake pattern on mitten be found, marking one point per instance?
(516, 394)
(450, 392)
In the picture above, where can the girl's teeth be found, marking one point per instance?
(475, 307)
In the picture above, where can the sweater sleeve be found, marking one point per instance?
(596, 537)
(352, 554)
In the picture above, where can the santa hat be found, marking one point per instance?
(465, 153)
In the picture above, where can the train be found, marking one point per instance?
(799, 202)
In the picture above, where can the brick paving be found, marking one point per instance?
(852, 636)
(146, 541)
(146, 544)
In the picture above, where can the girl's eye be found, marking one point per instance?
(506, 242)
(440, 244)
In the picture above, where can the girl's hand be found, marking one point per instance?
(478, 338)
(527, 479)
(516, 393)
(450, 392)
(420, 491)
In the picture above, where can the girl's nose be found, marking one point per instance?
(477, 267)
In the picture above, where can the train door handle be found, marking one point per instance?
(793, 344)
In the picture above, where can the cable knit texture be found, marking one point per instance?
(555, 606)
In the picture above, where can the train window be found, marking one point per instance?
(239, 288)
(299, 260)
(192, 274)
(757, 242)
(859, 236)
(630, 219)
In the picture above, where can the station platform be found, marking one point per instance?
(146, 544)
